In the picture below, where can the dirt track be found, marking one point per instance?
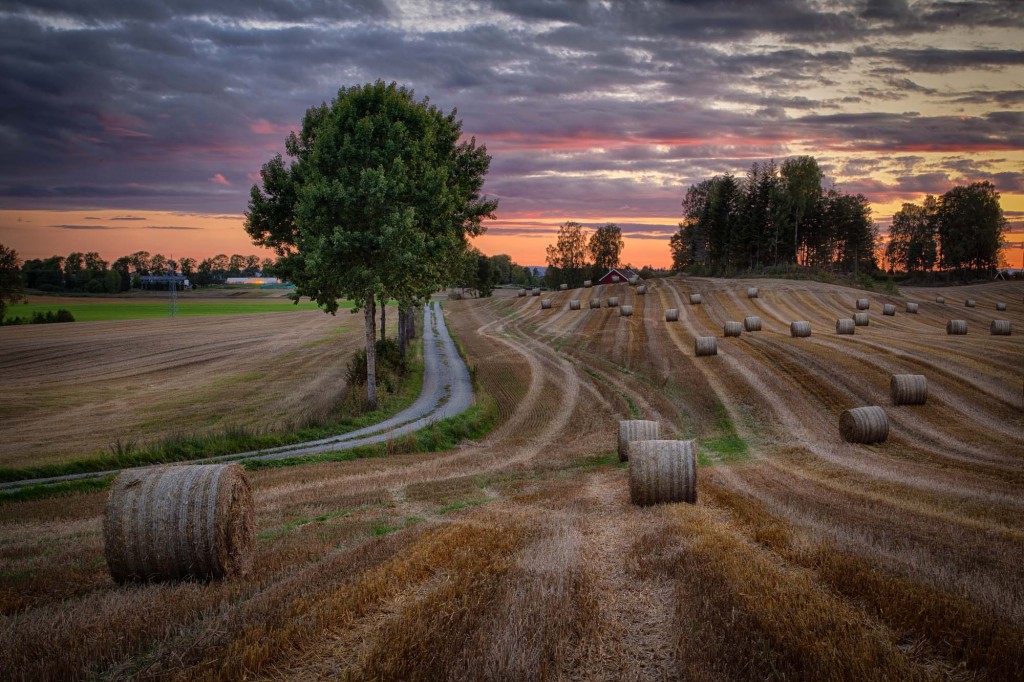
(520, 557)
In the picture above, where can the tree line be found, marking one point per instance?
(90, 273)
(774, 216)
(578, 255)
(960, 232)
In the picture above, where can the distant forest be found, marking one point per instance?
(778, 217)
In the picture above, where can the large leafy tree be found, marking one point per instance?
(378, 200)
(10, 279)
(568, 255)
(971, 226)
(605, 246)
(801, 180)
(913, 244)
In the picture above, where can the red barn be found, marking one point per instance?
(618, 276)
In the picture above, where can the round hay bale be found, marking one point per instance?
(752, 323)
(908, 389)
(535, 292)
(626, 311)
(705, 345)
(574, 304)
(521, 293)
(956, 327)
(587, 284)
(616, 279)
(889, 309)
(634, 279)
(695, 299)
(800, 329)
(672, 315)
(635, 429)
(864, 425)
(940, 299)
(861, 319)
(1000, 307)
(752, 292)
(863, 304)
(595, 303)
(912, 308)
(970, 303)
(641, 290)
(545, 304)
(662, 472)
(845, 326)
(733, 328)
(563, 287)
(175, 522)
(1001, 328)
(613, 301)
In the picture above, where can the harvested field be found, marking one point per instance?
(521, 557)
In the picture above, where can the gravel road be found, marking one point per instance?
(447, 391)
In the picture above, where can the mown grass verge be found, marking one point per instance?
(36, 492)
(183, 447)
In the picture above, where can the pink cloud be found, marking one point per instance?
(261, 126)
(220, 180)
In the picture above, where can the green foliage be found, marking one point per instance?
(567, 258)
(605, 247)
(10, 279)
(62, 489)
(971, 226)
(391, 366)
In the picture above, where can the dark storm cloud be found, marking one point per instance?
(132, 105)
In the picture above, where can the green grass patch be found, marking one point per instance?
(726, 446)
(633, 409)
(42, 491)
(461, 504)
(93, 310)
(596, 461)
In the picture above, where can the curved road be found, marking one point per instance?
(447, 391)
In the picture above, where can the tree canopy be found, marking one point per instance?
(10, 279)
(568, 256)
(378, 200)
(605, 246)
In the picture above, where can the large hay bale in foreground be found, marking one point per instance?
(956, 327)
(695, 299)
(662, 471)
(800, 329)
(174, 522)
(587, 284)
(889, 309)
(1001, 328)
(545, 304)
(613, 301)
(863, 304)
(861, 319)
(672, 315)
(574, 304)
(752, 323)
(1000, 307)
(970, 303)
(864, 425)
(940, 299)
(752, 292)
(641, 290)
(908, 389)
(635, 429)
(912, 308)
(845, 326)
(626, 311)
(733, 328)
(705, 345)
(595, 303)
(563, 287)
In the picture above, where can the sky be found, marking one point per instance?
(132, 125)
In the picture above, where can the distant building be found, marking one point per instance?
(619, 276)
(151, 281)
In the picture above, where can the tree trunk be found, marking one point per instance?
(403, 339)
(411, 321)
(371, 353)
(383, 308)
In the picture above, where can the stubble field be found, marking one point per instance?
(520, 557)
